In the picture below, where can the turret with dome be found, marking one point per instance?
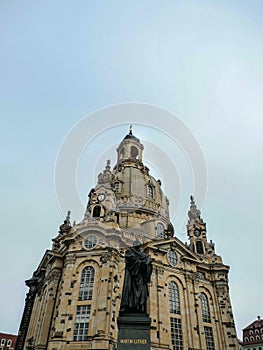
(129, 196)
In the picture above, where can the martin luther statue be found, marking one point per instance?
(138, 269)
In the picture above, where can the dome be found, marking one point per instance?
(128, 195)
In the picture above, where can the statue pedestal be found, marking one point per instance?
(134, 331)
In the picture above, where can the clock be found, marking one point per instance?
(197, 232)
(101, 196)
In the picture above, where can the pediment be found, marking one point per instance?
(164, 245)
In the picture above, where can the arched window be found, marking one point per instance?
(122, 153)
(257, 331)
(205, 308)
(96, 211)
(149, 191)
(199, 247)
(251, 332)
(174, 301)
(86, 283)
(134, 152)
(257, 337)
(160, 230)
(252, 339)
(246, 339)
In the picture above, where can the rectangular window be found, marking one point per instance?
(81, 327)
(3, 342)
(209, 338)
(176, 333)
(117, 187)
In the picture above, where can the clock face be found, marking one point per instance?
(101, 196)
(197, 232)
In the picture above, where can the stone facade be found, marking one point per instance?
(74, 295)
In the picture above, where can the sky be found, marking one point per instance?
(63, 64)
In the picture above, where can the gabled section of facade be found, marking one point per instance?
(74, 295)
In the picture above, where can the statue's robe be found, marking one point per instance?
(137, 274)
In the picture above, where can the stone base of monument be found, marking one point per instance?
(134, 331)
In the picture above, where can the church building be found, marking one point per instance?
(74, 295)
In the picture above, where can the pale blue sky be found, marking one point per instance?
(201, 60)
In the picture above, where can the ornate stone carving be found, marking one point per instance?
(65, 228)
(194, 213)
(105, 176)
(70, 260)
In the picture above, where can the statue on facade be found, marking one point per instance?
(65, 228)
(138, 269)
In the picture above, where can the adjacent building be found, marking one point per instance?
(253, 336)
(7, 341)
(74, 295)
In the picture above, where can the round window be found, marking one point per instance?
(90, 242)
(172, 257)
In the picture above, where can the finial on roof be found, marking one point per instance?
(130, 130)
(108, 165)
(193, 213)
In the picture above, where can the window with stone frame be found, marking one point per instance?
(174, 299)
(160, 230)
(149, 191)
(134, 152)
(205, 308)
(176, 333)
(209, 338)
(90, 242)
(199, 247)
(86, 283)
(81, 326)
(172, 257)
(96, 211)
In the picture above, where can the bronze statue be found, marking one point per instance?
(138, 271)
